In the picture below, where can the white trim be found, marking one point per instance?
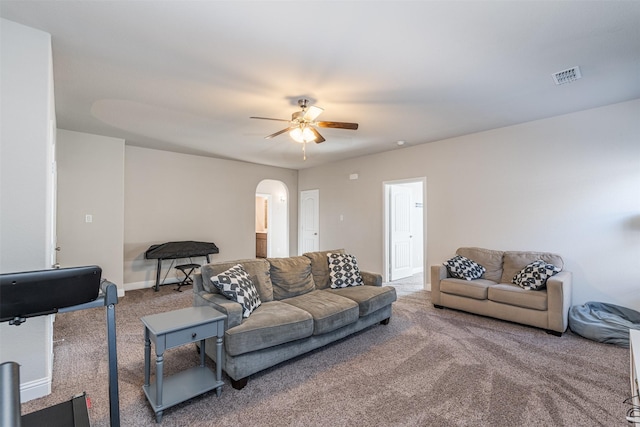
(35, 389)
(132, 286)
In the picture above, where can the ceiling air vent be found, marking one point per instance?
(567, 76)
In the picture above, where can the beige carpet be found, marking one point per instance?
(428, 367)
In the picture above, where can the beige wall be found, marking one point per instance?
(91, 182)
(171, 197)
(568, 184)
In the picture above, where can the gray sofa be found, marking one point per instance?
(299, 311)
(495, 295)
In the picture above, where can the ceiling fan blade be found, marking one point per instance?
(312, 113)
(338, 125)
(268, 118)
(280, 132)
(319, 138)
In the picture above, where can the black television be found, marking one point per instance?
(36, 293)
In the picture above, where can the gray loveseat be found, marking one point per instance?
(495, 295)
(299, 311)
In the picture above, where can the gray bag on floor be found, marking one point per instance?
(602, 322)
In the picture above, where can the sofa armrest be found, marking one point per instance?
(371, 279)
(559, 289)
(202, 297)
(438, 272)
(197, 283)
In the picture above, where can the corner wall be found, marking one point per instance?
(27, 144)
(568, 184)
(91, 182)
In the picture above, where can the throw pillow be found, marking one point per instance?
(343, 270)
(235, 284)
(534, 276)
(463, 268)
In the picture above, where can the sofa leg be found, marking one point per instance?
(438, 306)
(555, 333)
(239, 384)
(385, 321)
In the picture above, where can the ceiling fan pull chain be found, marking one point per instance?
(304, 151)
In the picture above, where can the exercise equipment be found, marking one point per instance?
(36, 293)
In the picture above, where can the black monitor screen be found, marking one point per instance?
(35, 293)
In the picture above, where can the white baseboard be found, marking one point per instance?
(35, 389)
(146, 284)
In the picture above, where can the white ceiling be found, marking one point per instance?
(185, 76)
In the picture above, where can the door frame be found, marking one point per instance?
(386, 229)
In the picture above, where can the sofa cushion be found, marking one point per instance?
(343, 270)
(236, 285)
(258, 270)
(491, 260)
(461, 267)
(515, 295)
(329, 311)
(534, 276)
(476, 289)
(291, 276)
(515, 261)
(320, 267)
(369, 298)
(271, 324)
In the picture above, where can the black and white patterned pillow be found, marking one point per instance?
(534, 276)
(343, 271)
(235, 284)
(463, 268)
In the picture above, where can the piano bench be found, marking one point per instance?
(187, 270)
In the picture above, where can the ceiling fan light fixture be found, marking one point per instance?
(302, 135)
(302, 125)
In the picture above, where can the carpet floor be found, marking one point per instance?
(427, 367)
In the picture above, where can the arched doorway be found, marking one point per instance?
(272, 219)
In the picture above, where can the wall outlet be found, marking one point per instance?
(88, 218)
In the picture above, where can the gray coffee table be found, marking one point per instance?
(173, 329)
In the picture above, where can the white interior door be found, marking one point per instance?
(400, 232)
(309, 221)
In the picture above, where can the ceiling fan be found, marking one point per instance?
(302, 124)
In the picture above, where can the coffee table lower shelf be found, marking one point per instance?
(182, 386)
